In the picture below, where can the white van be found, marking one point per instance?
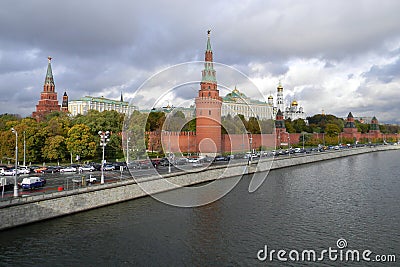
(32, 182)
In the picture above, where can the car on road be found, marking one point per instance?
(7, 172)
(86, 168)
(52, 169)
(68, 169)
(221, 158)
(40, 169)
(109, 167)
(32, 182)
(24, 170)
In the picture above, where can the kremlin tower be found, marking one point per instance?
(48, 98)
(208, 108)
(350, 126)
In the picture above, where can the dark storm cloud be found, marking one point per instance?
(385, 73)
(105, 47)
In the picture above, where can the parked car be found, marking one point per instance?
(145, 165)
(7, 172)
(32, 182)
(68, 169)
(86, 168)
(40, 169)
(221, 158)
(52, 169)
(108, 167)
(24, 170)
(118, 165)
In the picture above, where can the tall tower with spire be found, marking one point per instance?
(48, 97)
(208, 107)
(279, 97)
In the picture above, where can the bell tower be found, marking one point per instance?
(208, 108)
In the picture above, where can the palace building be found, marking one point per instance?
(237, 102)
(84, 104)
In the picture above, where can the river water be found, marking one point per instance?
(306, 207)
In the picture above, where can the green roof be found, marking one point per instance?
(102, 100)
(236, 96)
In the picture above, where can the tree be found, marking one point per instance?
(253, 126)
(289, 126)
(155, 121)
(80, 141)
(332, 130)
(54, 148)
(299, 125)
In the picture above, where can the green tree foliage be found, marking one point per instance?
(362, 127)
(155, 121)
(253, 126)
(332, 129)
(81, 142)
(175, 121)
(299, 126)
(289, 126)
(54, 148)
(190, 126)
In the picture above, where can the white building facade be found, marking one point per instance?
(236, 103)
(293, 111)
(84, 104)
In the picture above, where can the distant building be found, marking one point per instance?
(237, 102)
(293, 112)
(84, 104)
(188, 112)
(64, 104)
(48, 97)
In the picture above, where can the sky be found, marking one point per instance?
(336, 56)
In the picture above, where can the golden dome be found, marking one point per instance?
(270, 97)
(294, 103)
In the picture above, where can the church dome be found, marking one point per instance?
(270, 97)
(294, 103)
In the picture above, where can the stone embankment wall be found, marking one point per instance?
(30, 209)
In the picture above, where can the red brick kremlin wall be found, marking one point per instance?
(186, 141)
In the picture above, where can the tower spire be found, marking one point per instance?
(208, 41)
(208, 74)
(49, 74)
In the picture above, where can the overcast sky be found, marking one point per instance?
(339, 56)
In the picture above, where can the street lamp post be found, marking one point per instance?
(127, 150)
(16, 163)
(169, 152)
(103, 142)
(24, 150)
(251, 148)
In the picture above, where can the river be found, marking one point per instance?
(309, 207)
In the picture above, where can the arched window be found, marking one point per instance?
(209, 112)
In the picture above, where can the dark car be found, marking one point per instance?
(52, 169)
(145, 165)
(97, 166)
(221, 158)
